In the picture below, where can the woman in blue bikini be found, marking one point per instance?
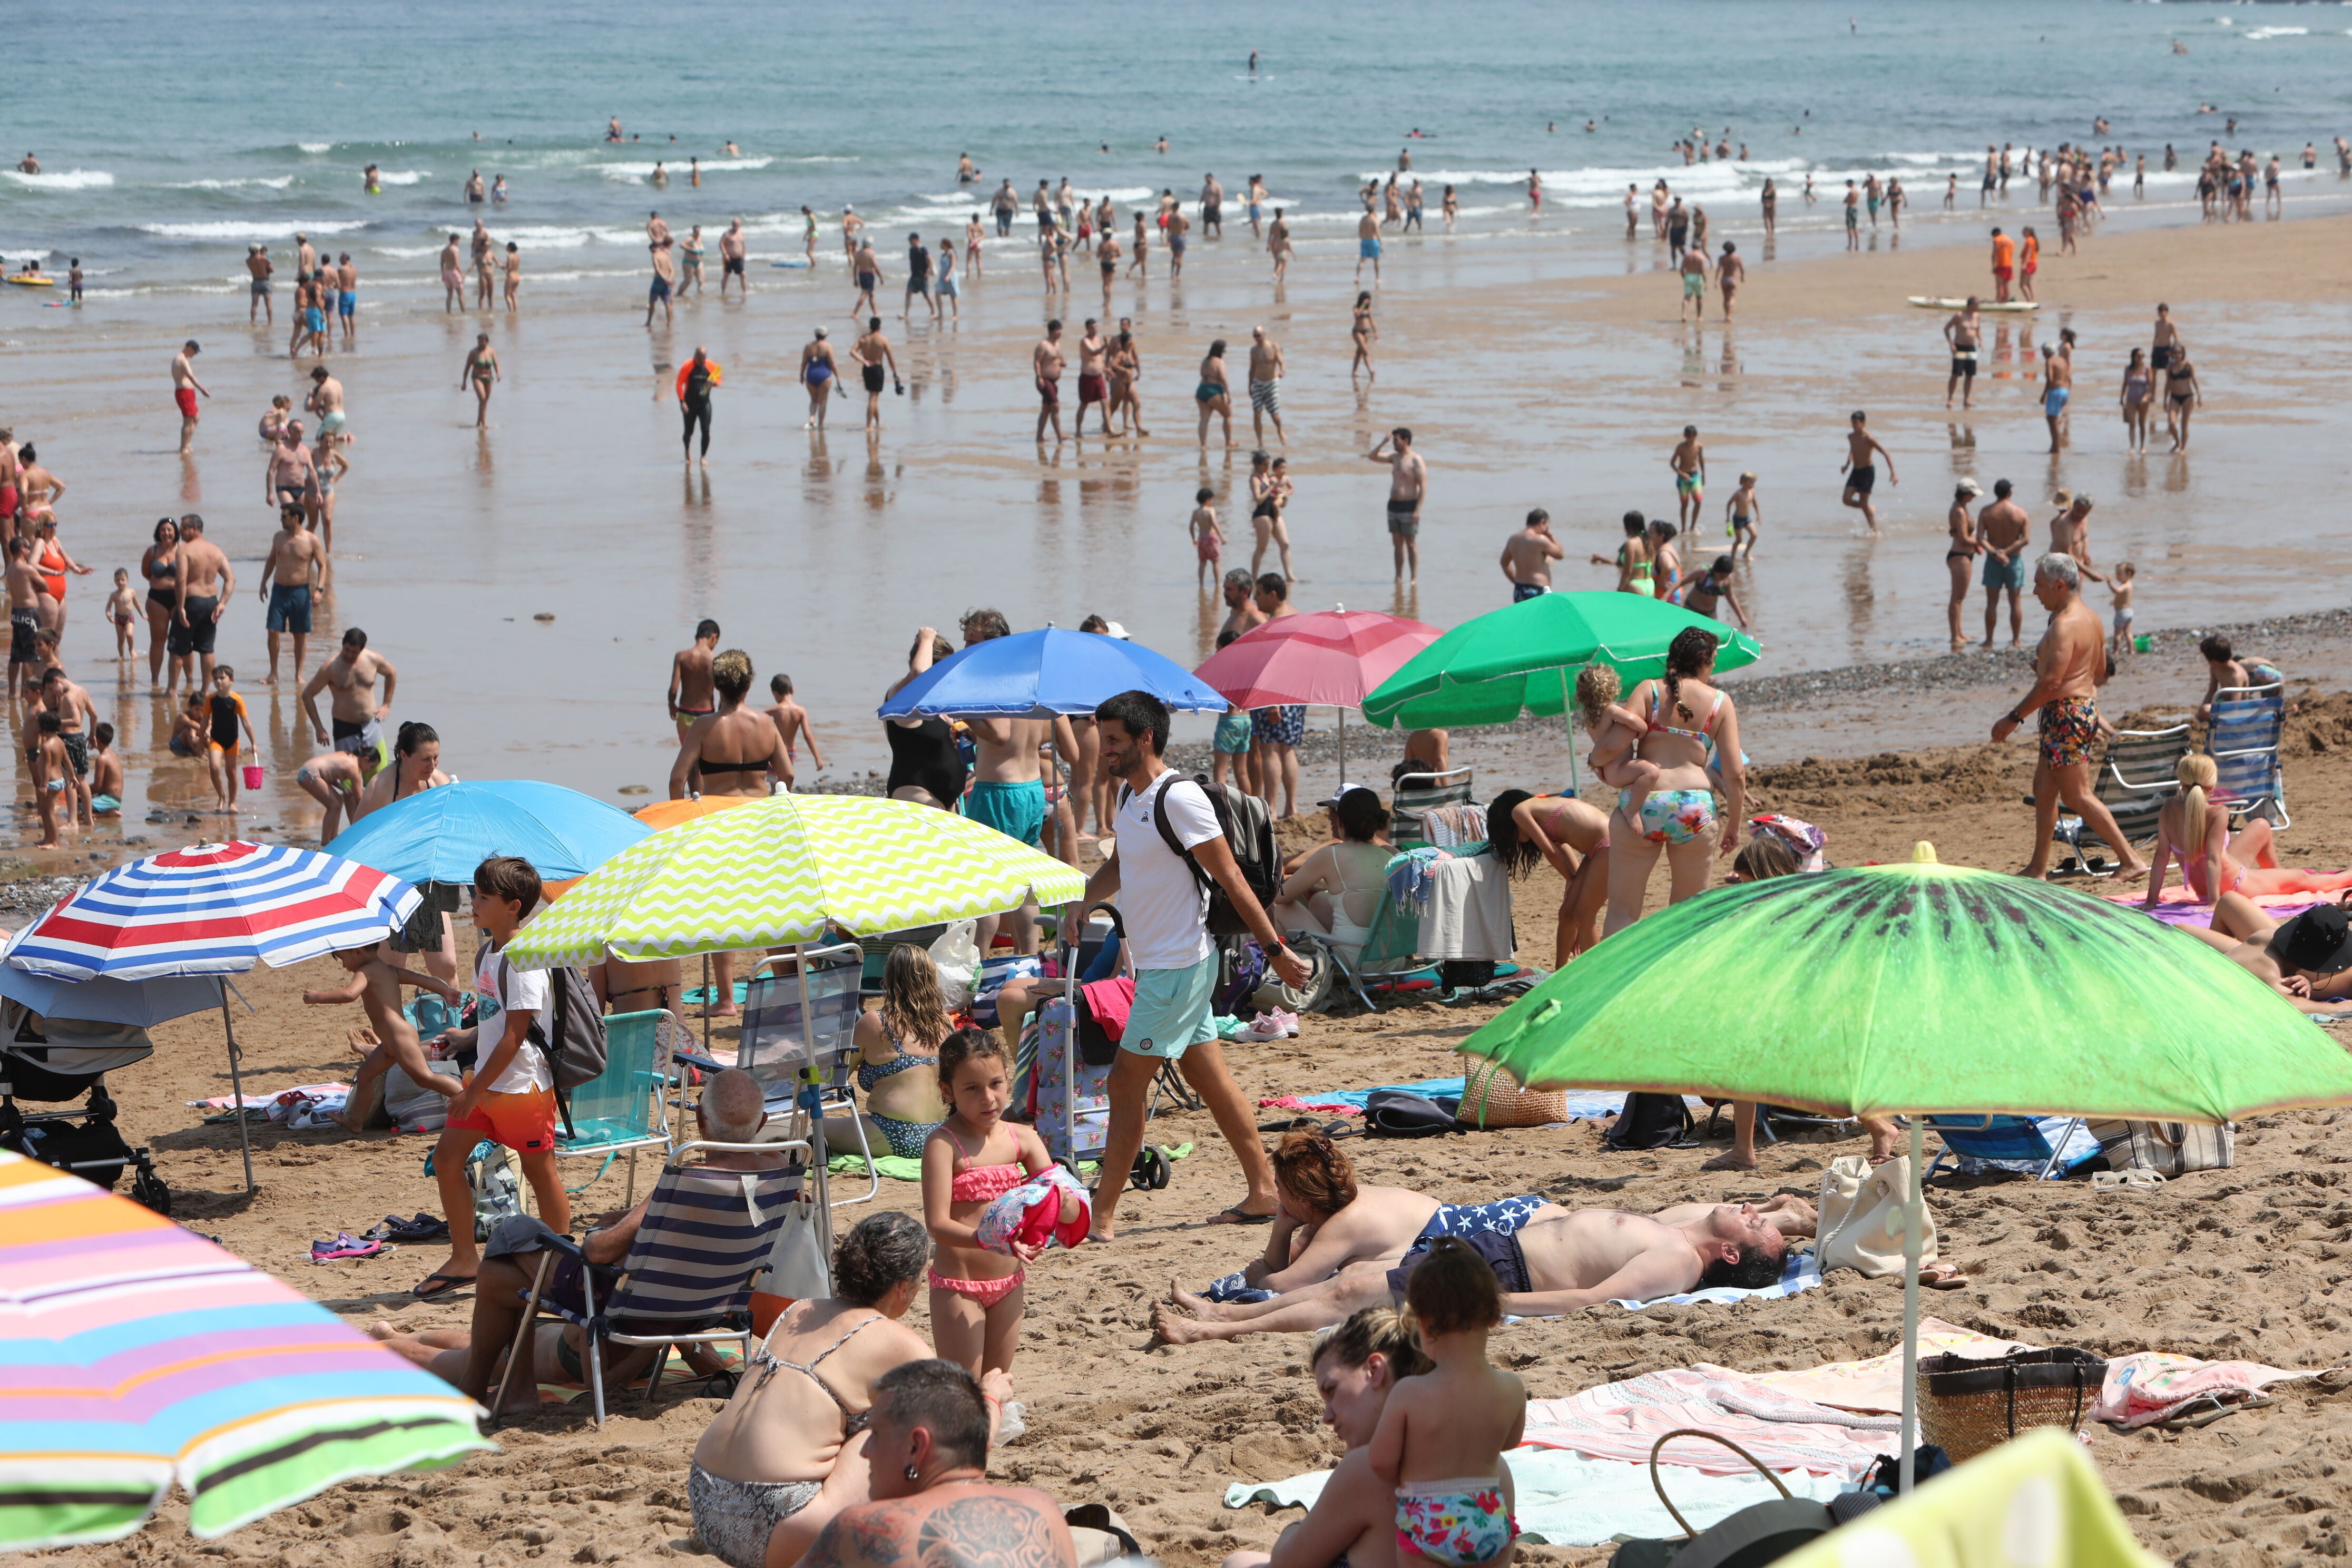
(898, 1053)
(1687, 717)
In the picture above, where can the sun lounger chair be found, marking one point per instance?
(806, 1071)
(1419, 793)
(2135, 782)
(2244, 740)
(2016, 1140)
(688, 1275)
(626, 1107)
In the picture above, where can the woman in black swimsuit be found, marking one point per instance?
(2181, 390)
(160, 566)
(1960, 553)
(925, 765)
(730, 751)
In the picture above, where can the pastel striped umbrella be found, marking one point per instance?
(134, 1355)
(777, 871)
(214, 909)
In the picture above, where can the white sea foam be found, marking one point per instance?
(279, 184)
(402, 177)
(677, 168)
(244, 228)
(2250, 34)
(64, 180)
(315, 147)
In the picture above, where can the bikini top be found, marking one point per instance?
(710, 764)
(1699, 734)
(871, 1073)
(167, 567)
(852, 1421)
(981, 1183)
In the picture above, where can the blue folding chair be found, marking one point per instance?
(2248, 721)
(2017, 1143)
(625, 1107)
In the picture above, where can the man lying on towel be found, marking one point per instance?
(1545, 1269)
(1326, 1222)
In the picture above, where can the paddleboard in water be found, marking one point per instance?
(788, 264)
(1984, 306)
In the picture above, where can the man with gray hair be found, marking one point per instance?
(2069, 667)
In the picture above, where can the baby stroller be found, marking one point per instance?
(56, 1061)
(1070, 1046)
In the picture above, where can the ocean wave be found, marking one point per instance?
(677, 168)
(64, 180)
(406, 252)
(2250, 34)
(245, 229)
(279, 184)
(402, 176)
(316, 147)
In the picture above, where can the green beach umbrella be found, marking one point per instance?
(1524, 655)
(1919, 988)
(776, 872)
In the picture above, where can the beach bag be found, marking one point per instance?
(1249, 834)
(1491, 1098)
(2176, 1148)
(1861, 1218)
(1398, 1113)
(956, 954)
(413, 1107)
(577, 1053)
(490, 1177)
(1649, 1121)
(1967, 1406)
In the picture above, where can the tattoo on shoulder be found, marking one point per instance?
(987, 1533)
(875, 1533)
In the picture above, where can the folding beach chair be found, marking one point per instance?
(2244, 740)
(1419, 793)
(2134, 782)
(626, 1107)
(688, 1277)
(1392, 946)
(806, 1070)
(2017, 1143)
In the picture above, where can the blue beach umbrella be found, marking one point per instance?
(1035, 675)
(441, 835)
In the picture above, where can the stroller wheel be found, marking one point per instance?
(1071, 1166)
(148, 1188)
(1151, 1170)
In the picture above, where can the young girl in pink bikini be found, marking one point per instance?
(974, 1156)
(2195, 829)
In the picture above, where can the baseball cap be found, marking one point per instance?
(2318, 940)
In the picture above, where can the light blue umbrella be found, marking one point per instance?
(140, 1003)
(1035, 675)
(441, 835)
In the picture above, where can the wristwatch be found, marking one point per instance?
(2015, 717)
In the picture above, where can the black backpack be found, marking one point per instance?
(1248, 829)
(1649, 1121)
(578, 1052)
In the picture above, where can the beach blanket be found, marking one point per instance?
(1581, 1102)
(1567, 1499)
(1876, 1382)
(277, 1096)
(1620, 1420)
(2152, 1385)
(1801, 1271)
(2177, 907)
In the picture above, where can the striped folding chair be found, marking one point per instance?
(2248, 721)
(1419, 793)
(688, 1274)
(2136, 780)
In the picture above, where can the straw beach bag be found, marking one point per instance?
(1490, 1098)
(1967, 1406)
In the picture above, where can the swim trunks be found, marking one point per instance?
(1964, 364)
(1694, 285)
(1522, 592)
(2070, 728)
(185, 397)
(77, 751)
(360, 738)
(1863, 479)
(875, 377)
(1367, 249)
(660, 289)
(1233, 731)
(197, 636)
(2008, 574)
(1176, 243)
(289, 608)
(346, 302)
(1015, 810)
(314, 318)
(2003, 273)
(1090, 389)
(1689, 485)
(332, 421)
(2054, 400)
(524, 1121)
(24, 626)
(2160, 356)
(1284, 726)
(1404, 518)
(1265, 396)
(1499, 1250)
(730, 266)
(1049, 392)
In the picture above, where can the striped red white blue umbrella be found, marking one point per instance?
(214, 909)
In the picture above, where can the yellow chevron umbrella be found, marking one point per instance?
(778, 872)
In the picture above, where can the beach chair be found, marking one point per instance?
(807, 1070)
(626, 1107)
(2134, 782)
(2016, 1141)
(2248, 721)
(688, 1277)
(1418, 792)
(1392, 946)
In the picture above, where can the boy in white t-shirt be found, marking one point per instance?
(510, 1098)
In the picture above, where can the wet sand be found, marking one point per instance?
(1539, 364)
(2245, 1263)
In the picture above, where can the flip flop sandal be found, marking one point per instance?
(450, 1284)
(2191, 1420)
(423, 1228)
(345, 1246)
(1239, 1216)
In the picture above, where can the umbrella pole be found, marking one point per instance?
(236, 1089)
(1568, 723)
(705, 1006)
(1914, 1223)
(1343, 751)
(812, 1097)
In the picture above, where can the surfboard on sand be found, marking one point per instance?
(1984, 306)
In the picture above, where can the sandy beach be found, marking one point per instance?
(1539, 364)
(2238, 1264)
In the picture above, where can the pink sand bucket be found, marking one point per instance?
(253, 775)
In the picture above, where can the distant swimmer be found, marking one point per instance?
(371, 180)
(1253, 71)
(1535, 192)
(1861, 468)
(475, 192)
(499, 190)
(613, 129)
(28, 165)
(967, 172)
(731, 151)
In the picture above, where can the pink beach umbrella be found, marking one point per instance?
(1322, 658)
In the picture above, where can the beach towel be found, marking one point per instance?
(1468, 912)
(2151, 1385)
(255, 1098)
(2177, 907)
(1408, 879)
(1031, 1213)
(1875, 1383)
(1583, 1103)
(1567, 1499)
(1622, 1420)
(1800, 1271)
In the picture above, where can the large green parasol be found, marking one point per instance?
(1485, 670)
(1919, 988)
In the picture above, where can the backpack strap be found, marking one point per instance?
(547, 1045)
(1168, 831)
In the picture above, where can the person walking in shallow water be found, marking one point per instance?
(1861, 468)
(481, 368)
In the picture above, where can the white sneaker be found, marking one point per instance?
(1271, 1024)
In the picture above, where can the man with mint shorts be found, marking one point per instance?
(1163, 905)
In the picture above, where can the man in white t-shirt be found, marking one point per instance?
(1164, 910)
(510, 1097)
